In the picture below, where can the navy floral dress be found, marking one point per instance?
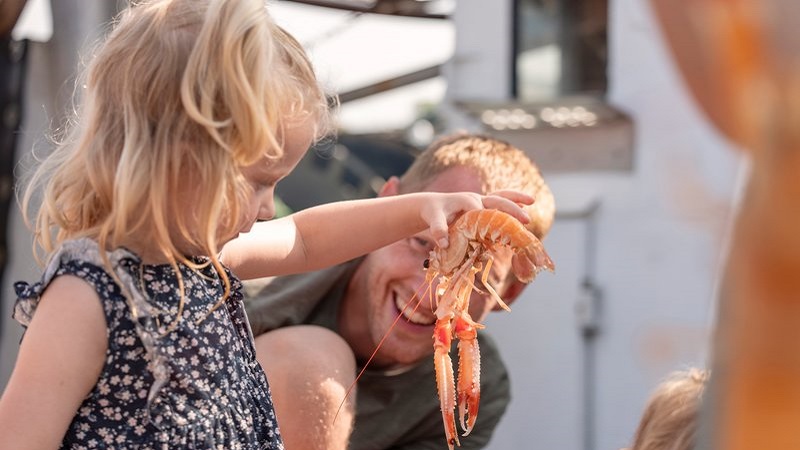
(166, 383)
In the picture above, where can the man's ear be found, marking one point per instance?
(391, 187)
(511, 292)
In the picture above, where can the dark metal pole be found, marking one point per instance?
(12, 77)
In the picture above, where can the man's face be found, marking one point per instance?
(385, 283)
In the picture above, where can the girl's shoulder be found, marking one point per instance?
(81, 258)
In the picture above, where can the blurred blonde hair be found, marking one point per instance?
(669, 421)
(499, 165)
(180, 96)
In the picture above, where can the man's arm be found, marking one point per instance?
(310, 369)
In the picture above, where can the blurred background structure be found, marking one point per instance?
(644, 186)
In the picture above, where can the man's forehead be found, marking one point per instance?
(456, 179)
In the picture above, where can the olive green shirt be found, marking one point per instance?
(393, 410)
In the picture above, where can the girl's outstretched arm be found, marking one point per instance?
(60, 359)
(336, 232)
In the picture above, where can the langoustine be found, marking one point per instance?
(474, 239)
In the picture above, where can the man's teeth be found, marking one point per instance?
(411, 315)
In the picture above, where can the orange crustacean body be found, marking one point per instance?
(474, 238)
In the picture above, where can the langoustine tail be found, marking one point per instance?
(530, 260)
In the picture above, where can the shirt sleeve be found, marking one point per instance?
(289, 300)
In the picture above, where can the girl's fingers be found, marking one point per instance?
(508, 201)
(508, 206)
(514, 196)
(438, 227)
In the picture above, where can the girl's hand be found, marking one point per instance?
(444, 208)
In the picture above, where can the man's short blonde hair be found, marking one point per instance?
(499, 165)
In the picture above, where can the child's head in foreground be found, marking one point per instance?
(191, 111)
(670, 418)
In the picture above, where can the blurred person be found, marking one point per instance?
(315, 331)
(670, 419)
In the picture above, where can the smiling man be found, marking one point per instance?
(315, 331)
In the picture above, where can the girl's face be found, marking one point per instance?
(265, 174)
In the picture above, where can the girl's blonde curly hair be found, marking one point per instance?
(180, 96)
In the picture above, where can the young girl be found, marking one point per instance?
(136, 335)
